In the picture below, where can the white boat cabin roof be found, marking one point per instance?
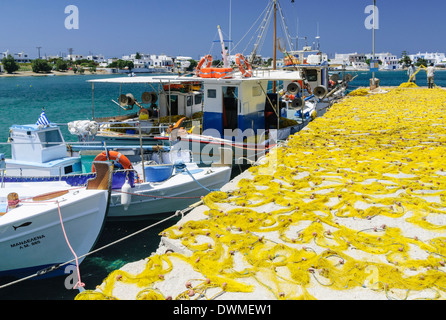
(270, 75)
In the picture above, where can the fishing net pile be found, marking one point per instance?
(354, 207)
(408, 85)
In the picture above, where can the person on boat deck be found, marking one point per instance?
(430, 76)
(410, 72)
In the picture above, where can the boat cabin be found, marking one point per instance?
(181, 103)
(234, 107)
(234, 104)
(311, 64)
(37, 151)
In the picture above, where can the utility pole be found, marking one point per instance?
(38, 50)
(375, 82)
(70, 53)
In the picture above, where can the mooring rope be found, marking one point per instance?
(57, 266)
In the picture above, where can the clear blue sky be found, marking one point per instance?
(189, 27)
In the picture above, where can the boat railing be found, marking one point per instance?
(263, 72)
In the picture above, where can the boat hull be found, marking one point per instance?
(207, 149)
(32, 239)
(126, 139)
(176, 193)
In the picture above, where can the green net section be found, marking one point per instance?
(356, 201)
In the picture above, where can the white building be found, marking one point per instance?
(98, 58)
(151, 61)
(430, 57)
(182, 63)
(107, 62)
(74, 57)
(389, 61)
(162, 61)
(140, 60)
(348, 59)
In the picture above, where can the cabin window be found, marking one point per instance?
(312, 75)
(50, 138)
(68, 170)
(212, 93)
(198, 99)
(189, 100)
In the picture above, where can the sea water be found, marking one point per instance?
(64, 99)
(70, 98)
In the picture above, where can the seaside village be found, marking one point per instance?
(161, 63)
(236, 176)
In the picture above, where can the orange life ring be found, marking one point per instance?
(244, 66)
(208, 60)
(113, 155)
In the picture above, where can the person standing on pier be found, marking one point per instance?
(430, 76)
(410, 73)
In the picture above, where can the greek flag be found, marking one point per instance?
(43, 120)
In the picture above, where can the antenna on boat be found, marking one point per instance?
(224, 51)
(318, 37)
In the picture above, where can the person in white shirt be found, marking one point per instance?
(430, 76)
(410, 73)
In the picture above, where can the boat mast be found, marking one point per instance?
(275, 43)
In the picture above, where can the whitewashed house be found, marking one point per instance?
(389, 61)
(430, 57)
(20, 57)
(97, 58)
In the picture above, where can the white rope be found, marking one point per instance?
(285, 28)
(57, 266)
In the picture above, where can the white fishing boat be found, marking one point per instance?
(146, 180)
(45, 225)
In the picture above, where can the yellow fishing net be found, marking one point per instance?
(357, 201)
(408, 85)
(359, 92)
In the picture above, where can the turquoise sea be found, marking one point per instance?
(69, 98)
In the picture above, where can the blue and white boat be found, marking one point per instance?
(147, 179)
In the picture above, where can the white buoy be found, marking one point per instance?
(126, 197)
